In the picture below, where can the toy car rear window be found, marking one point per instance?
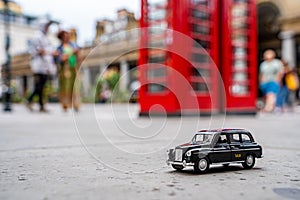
(245, 138)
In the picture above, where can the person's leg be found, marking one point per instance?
(75, 90)
(272, 90)
(41, 86)
(35, 89)
(270, 102)
(67, 87)
(36, 78)
(280, 98)
(62, 88)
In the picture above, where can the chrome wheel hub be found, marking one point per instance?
(249, 160)
(202, 164)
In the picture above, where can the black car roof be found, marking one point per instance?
(227, 130)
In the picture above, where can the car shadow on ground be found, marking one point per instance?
(215, 170)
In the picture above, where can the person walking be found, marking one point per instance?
(292, 83)
(42, 63)
(271, 71)
(68, 62)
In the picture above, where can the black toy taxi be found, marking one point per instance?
(223, 146)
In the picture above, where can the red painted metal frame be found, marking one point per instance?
(243, 103)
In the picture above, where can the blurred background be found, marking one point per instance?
(234, 33)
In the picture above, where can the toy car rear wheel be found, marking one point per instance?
(178, 167)
(249, 161)
(201, 165)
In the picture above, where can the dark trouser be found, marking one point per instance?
(39, 85)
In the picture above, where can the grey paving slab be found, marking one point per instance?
(108, 152)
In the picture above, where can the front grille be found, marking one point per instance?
(178, 155)
(171, 155)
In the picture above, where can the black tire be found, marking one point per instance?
(201, 165)
(178, 167)
(249, 161)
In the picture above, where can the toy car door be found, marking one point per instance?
(235, 146)
(246, 144)
(221, 151)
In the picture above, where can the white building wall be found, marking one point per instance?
(19, 37)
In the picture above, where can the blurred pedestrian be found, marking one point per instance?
(68, 62)
(271, 71)
(283, 94)
(42, 63)
(292, 83)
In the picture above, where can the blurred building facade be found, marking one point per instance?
(278, 28)
(21, 29)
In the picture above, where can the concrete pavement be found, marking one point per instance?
(108, 152)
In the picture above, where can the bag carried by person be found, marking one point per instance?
(292, 81)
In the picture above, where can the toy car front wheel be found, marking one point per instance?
(201, 165)
(177, 167)
(249, 161)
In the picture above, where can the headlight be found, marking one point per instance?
(189, 153)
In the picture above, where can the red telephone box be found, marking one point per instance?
(184, 48)
(202, 20)
(239, 55)
(154, 75)
(179, 72)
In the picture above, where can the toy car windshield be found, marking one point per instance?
(202, 138)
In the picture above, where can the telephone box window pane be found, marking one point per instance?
(157, 59)
(200, 87)
(240, 76)
(201, 43)
(239, 10)
(240, 64)
(200, 72)
(241, 1)
(200, 14)
(238, 39)
(157, 15)
(238, 89)
(240, 52)
(158, 28)
(156, 43)
(200, 58)
(156, 72)
(239, 24)
(200, 2)
(157, 2)
(200, 29)
(156, 88)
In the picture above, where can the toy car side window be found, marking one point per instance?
(246, 138)
(222, 139)
(235, 137)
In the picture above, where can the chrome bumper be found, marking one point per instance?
(184, 163)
